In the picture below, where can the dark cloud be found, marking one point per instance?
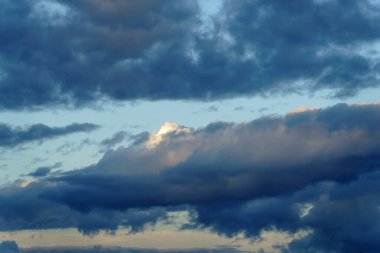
(13, 136)
(73, 53)
(335, 143)
(22, 207)
(95, 43)
(313, 42)
(9, 247)
(44, 171)
(342, 217)
(315, 171)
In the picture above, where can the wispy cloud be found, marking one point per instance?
(13, 136)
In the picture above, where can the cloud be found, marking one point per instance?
(72, 146)
(134, 50)
(22, 207)
(223, 163)
(303, 109)
(307, 43)
(13, 136)
(316, 171)
(211, 108)
(90, 36)
(340, 217)
(117, 138)
(9, 247)
(44, 171)
(167, 128)
(239, 108)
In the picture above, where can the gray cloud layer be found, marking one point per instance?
(315, 170)
(13, 136)
(73, 53)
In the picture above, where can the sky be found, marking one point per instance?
(189, 126)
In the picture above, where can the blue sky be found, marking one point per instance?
(220, 125)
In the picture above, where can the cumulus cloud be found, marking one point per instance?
(126, 50)
(13, 136)
(315, 170)
(167, 128)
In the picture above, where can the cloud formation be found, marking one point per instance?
(73, 53)
(313, 44)
(44, 170)
(314, 170)
(13, 136)
(9, 247)
(115, 139)
(23, 207)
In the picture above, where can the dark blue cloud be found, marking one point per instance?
(73, 53)
(22, 207)
(314, 171)
(343, 217)
(9, 247)
(313, 42)
(13, 136)
(44, 170)
(90, 38)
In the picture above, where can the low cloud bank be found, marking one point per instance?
(315, 170)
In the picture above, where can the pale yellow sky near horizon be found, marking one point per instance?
(157, 239)
(159, 236)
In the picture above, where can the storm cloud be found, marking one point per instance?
(315, 170)
(73, 53)
(13, 136)
(22, 207)
(265, 157)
